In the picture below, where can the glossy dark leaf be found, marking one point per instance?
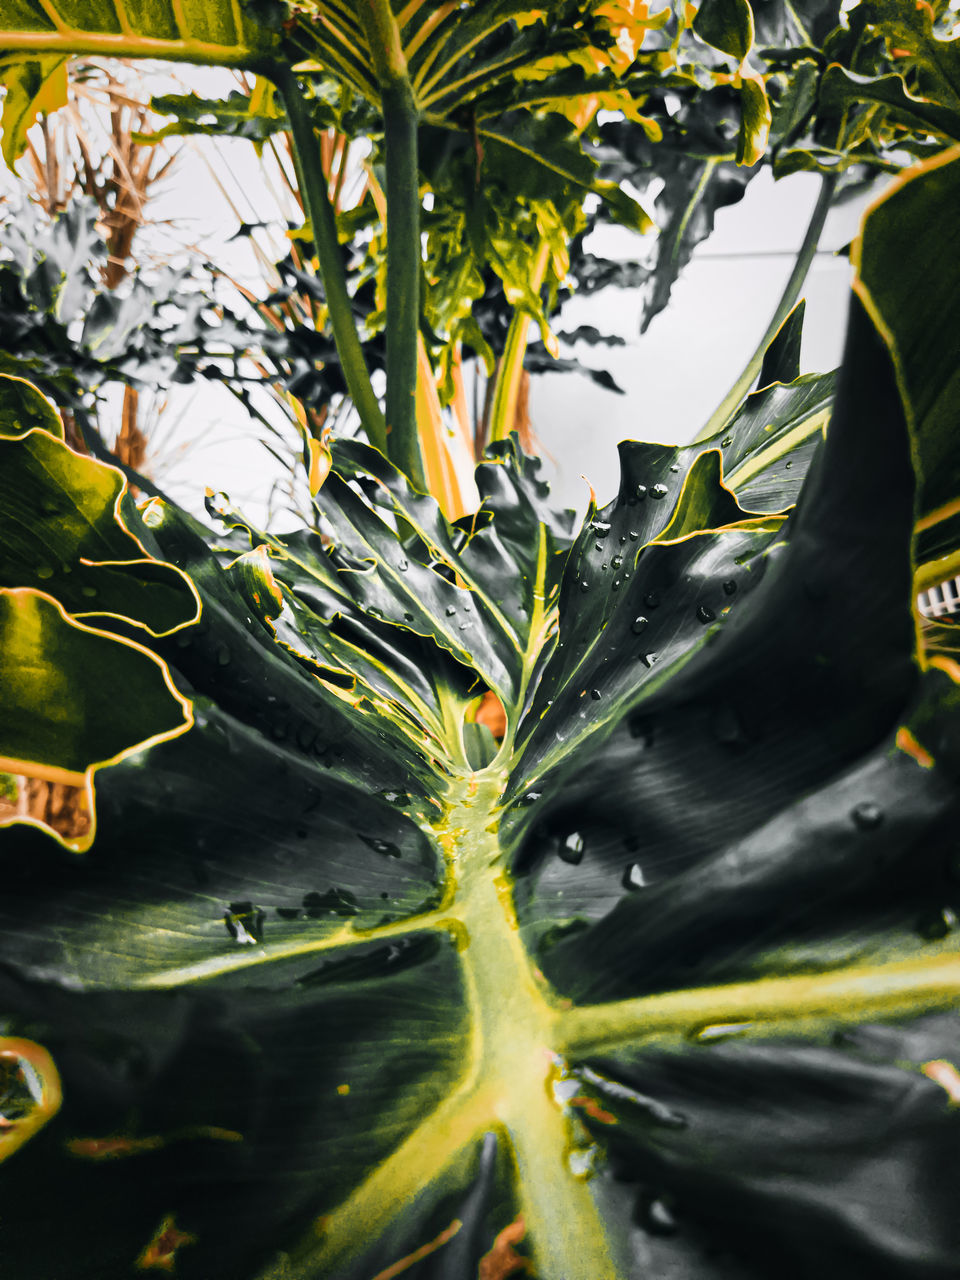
(781, 362)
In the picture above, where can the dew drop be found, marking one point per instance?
(717, 1031)
(584, 585)
(598, 546)
(659, 491)
(408, 617)
(223, 656)
(616, 562)
(244, 923)
(403, 565)
(652, 599)
(658, 1217)
(338, 902)
(639, 625)
(726, 441)
(571, 848)
(788, 465)
(867, 815)
(633, 877)
(529, 798)
(580, 1162)
(675, 468)
(600, 528)
(595, 694)
(634, 536)
(616, 584)
(648, 659)
(704, 614)
(450, 611)
(44, 572)
(89, 592)
(937, 924)
(394, 797)
(641, 492)
(730, 588)
(381, 846)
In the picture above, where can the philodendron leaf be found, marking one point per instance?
(204, 31)
(668, 987)
(726, 25)
(32, 85)
(74, 699)
(67, 532)
(23, 407)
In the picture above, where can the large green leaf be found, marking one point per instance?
(204, 31)
(666, 986)
(73, 697)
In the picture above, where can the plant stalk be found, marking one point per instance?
(403, 279)
(731, 401)
(510, 368)
(400, 122)
(313, 182)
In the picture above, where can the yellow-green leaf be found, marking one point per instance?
(33, 85)
(727, 25)
(23, 407)
(754, 120)
(74, 699)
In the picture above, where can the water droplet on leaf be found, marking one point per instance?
(652, 599)
(616, 562)
(633, 877)
(937, 924)
(639, 625)
(730, 588)
(659, 491)
(244, 922)
(571, 848)
(44, 572)
(704, 614)
(381, 846)
(718, 1031)
(658, 1218)
(595, 694)
(867, 815)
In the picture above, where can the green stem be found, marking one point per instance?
(403, 278)
(323, 223)
(731, 401)
(510, 368)
(400, 123)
